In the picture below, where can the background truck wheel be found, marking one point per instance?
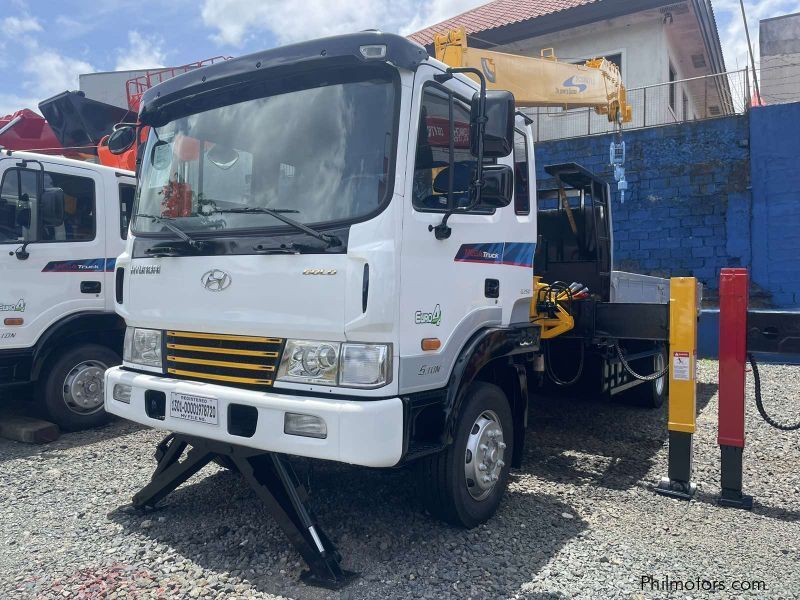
(70, 391)
(652, 394)
(464, 483)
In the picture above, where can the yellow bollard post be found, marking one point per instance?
(683, 307)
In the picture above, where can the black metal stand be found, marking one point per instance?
(731, 479)
(679, 483)
(274, 481)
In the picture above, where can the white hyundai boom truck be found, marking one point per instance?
(62, 224)
(331, 256)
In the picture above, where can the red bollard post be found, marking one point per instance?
(733, 300)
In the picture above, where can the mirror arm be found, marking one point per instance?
(442, 231)
(22, 252)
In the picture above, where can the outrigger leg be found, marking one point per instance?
(274, 481)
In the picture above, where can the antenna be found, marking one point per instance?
(750, 49)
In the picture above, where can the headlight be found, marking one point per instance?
(310, 362)
(365, 365)
(333, 363)
(142, 347)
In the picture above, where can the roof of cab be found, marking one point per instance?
(400, 52)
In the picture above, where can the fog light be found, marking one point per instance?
(304, 425)
(122, 393)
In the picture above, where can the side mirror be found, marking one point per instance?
(51, 206)
(121, 139)
(23, 218)
(498, 136)
(498, 186)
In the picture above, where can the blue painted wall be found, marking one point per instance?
(687, 211)
(775, 160)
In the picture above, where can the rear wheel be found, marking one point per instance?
(464, 483)
(70, 392)
(652, 394)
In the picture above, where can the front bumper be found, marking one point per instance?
(360, 432)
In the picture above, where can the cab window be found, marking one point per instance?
(522, 197)
(22, 217)
(126, 195)
(18, 204)
(444, 166)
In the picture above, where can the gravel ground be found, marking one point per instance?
(580, 519)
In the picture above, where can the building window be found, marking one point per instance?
(613, 58)
(673, 77)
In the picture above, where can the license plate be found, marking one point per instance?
(193, 408)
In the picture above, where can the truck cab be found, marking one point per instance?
(62, 224)
(331, 256)
(305, 305)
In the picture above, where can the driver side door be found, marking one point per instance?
(64, 270)
(447, 285)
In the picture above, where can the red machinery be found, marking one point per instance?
(26, 130)
(79, 127)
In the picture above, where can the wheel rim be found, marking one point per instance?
(659, 367)
(83, 387)
(483, 460)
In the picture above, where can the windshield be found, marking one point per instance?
(319, 154)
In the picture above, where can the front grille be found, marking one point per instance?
(242, 361)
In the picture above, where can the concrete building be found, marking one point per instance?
(654, 42)
(780, 59)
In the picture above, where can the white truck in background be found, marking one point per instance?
(63, 222)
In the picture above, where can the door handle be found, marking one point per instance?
(91, 287)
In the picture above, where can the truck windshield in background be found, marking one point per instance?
(320, 154)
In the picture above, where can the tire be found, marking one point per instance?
(652, 394)
(68, 393)
(443, 477)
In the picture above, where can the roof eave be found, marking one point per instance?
(559, 21)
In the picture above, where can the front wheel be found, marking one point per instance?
(70, 391)
(464, 483)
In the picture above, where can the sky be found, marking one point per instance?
(46, 44)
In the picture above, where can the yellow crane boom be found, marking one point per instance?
(542, 81)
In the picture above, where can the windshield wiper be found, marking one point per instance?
(330, 240)
(193, 243)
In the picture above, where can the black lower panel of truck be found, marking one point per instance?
(272, 478)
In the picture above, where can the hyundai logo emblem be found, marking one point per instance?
(215, 280)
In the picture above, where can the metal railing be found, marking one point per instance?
(694, 99)
(137, 86)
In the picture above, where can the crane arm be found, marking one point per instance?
(542, 81)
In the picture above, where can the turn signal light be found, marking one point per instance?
(431, 344)
(13, 321)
